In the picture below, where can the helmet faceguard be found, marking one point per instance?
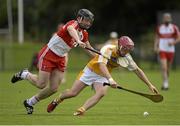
(86, 18)
(125, 45)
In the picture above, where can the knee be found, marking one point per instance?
(54, 89)
(164, 68)
(102, 94)
(41, 86)
(73, 94)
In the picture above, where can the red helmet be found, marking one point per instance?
(126, 42)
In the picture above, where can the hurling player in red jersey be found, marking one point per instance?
(167, 36)
(51, 58)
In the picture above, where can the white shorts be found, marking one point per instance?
(89, 77)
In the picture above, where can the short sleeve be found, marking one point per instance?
(127, 62)
(106, 52)
(86, 36)
(72, 23)
(131, 64)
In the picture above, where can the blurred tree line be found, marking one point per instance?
(130, 17)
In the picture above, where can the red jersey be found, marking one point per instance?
(62, 42)
(64, 34)
(167, 34)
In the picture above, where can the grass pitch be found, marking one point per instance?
(116, 108)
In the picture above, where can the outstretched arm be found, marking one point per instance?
(144, 78)
(73, 33)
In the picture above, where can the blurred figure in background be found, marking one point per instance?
(34, 62)
(167, 36)
(51, 58)
(113, 39)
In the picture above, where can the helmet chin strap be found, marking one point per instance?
(120, 47)
(79, 19)
(119, 50)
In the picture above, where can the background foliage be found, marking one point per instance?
(128, 17)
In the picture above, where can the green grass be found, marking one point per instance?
(14, 56)
(117, 107)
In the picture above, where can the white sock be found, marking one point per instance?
(24, 74)
(32, 101)
(166, 84)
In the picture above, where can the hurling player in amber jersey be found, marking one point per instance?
(98, 70)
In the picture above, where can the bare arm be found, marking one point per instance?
(89, 46)
(106, 74)
(175, 42)
(156, 44)
(177, 39)
(73, 33)
(144, 78)
(104, 70)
